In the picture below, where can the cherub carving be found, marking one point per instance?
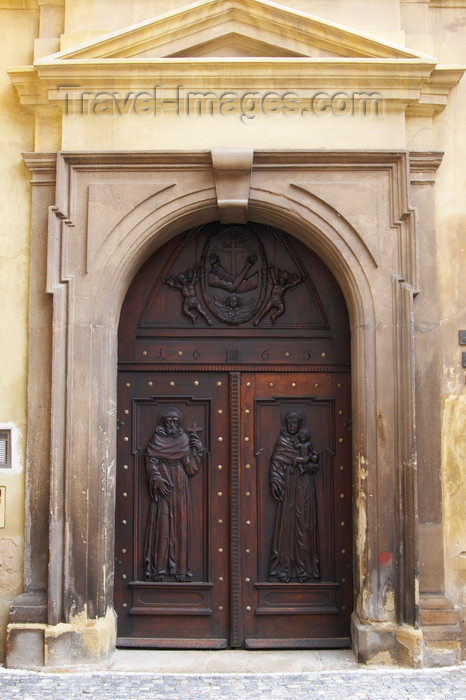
(307, 462)
(185, 282)
(281, 282)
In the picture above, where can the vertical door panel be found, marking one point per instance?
(313, 606)
(168, 611)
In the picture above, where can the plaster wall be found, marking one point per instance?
(86, 19)
(441, 31)
(16, 135)
(171, 131)
(450, 137)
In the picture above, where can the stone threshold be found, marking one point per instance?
(232, 661)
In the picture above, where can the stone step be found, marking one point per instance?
(439, 617)
(442, 633)
(435, 602)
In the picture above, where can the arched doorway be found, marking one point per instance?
(233, 510)
(95, 246)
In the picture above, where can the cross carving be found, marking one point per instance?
(234, 247)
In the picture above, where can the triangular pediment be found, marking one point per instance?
(234, 28)
(237, 44)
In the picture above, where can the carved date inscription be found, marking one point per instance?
(292, 467)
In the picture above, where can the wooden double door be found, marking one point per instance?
(233, 508)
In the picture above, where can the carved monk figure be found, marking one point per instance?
(293, 463)
(171, 457)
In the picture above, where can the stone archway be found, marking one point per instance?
(108, 213)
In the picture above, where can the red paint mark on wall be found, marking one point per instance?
(384, 557)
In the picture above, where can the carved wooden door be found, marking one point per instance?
(233, 509)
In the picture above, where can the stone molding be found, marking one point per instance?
(423, 166)
(286, 50)
(447, 3)
(232, 173)
(19, 5)
(42, 166)
(108, 213)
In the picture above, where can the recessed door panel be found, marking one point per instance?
(172, 548)
(296, 508)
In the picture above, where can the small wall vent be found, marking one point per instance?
(5, 449)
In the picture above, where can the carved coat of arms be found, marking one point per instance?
(233, 274)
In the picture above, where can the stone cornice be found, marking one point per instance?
(19, 5)
(360, 64)
(401, 83)
(423, 165)
(447, 3)
(28, 4)
(42, 166)
(269, 158)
